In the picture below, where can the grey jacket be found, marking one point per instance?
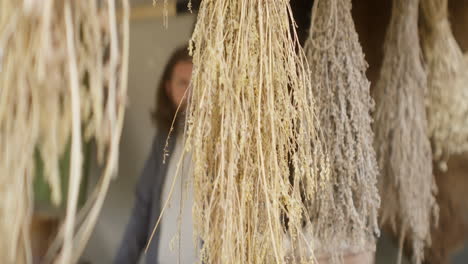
(147, 207)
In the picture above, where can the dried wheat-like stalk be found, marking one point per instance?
(250, 121)
(56, 76)
(447, 109)
(165, 12)
(344, 104)
(402, 145)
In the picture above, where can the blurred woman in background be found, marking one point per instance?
(173, 238)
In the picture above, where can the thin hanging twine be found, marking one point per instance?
(58, 84)
(350, 199)
(447, 96)
(402, 145)
(253, 134)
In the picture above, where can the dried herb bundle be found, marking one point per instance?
(402, 145)
(251, 120)
(447, 83)
(63, 66)
(344, 106)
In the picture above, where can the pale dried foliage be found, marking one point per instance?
(341, 89)
(401, 141)
(55, 78)
(447, 107)
(253, 135)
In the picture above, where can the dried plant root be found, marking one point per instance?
(343, 101)
(402, 145)
(447, 83)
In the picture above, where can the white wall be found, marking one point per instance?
(151, 46)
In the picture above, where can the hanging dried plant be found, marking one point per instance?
(344, 104)
(250, 120)
(63, 66)
(402, 145)
(447, 109)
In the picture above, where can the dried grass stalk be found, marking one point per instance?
(56, 77)
(250, 120)
(344, 104)
(402, 145)
(447, 109)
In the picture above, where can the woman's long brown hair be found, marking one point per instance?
(164, 111)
